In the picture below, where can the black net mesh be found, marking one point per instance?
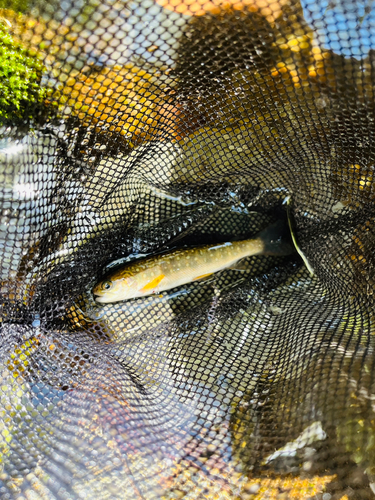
(130, 128)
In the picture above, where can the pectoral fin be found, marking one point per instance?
(153, 283)
(202, 277)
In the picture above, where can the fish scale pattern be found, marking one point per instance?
(131, 128)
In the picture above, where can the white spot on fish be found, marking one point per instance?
(222, 245)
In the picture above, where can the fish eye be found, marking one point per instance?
(107, 285)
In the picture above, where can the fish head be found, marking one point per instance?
(114, 290)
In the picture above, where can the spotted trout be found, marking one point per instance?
(158, 273)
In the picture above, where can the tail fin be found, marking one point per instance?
(277, 239)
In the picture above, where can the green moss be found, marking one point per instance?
(21, 95)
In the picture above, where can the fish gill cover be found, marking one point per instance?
(134, 128)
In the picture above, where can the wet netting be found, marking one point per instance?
(133, 129)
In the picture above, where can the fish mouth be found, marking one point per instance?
(101, 300)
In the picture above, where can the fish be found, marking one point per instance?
(158, 273)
